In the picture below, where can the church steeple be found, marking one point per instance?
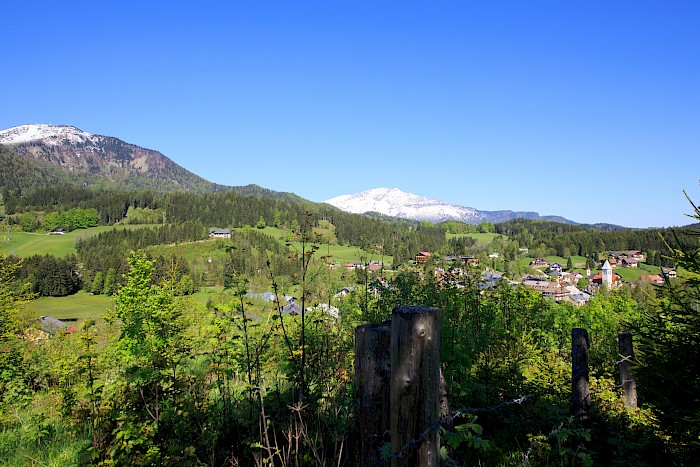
(607, 274)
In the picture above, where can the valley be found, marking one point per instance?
(152, 317)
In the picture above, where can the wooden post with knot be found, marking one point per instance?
(372, 377)
(415, 386)
(626, 357)
(580, 392)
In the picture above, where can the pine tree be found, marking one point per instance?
(669, 344)
(97, 283)
(110, 284)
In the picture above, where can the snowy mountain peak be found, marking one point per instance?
(50, 134)
(397, 203)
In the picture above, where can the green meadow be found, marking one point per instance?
(339, 253)
(82, 305)
(25, 244)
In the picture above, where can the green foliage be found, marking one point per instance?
(82, 305)
(168, 381)
(13, 321)
(50, 276)
(145, 215)
(97, 285)
(669, 353)
(72, 219)
(110, 284)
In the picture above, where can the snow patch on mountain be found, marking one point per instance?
(397, 203)
(49, 134)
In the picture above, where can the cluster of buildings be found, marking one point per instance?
(559, 284)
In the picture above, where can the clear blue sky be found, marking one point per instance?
(585, 109)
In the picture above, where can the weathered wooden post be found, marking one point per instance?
(626, 354)
(372, 376)
(415, 386)
(580, 393)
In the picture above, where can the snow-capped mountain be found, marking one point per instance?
(396, 203)
(104, 157)
(51, 134)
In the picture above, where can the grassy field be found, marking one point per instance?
(215, 249)
(80, 306)
(339, 253)
(633, 274)
(25, 244)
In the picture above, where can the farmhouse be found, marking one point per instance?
(354, 265)
(422, 257)
(635, 254)
(668, 273)
(537, 262)
(220, 233)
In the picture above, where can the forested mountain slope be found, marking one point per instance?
(68, 155)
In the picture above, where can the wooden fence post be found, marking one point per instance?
(629, 387)
(415, 386)
(580, 393)
(372, 377)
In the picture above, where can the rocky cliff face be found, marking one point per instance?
(107, 157)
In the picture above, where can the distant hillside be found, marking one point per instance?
(396, 203)
(50, 154)
(21, 172)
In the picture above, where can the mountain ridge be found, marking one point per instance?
(396, 203)
(107, 161)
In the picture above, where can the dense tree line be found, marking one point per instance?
(108, 250)
(569, 239)
(50, 276)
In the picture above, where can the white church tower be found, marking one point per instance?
(607, 274)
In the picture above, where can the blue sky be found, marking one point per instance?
(589, 110)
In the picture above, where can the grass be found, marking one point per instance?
(37, 435)
(343, 254)
(25, 244)
(213, 292)
(80, 306)
(633, 274)
(339, 253)
(214, 249)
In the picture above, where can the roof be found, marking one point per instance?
(51, 324)
(291, 309)
(423, 253)
(606, 265)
